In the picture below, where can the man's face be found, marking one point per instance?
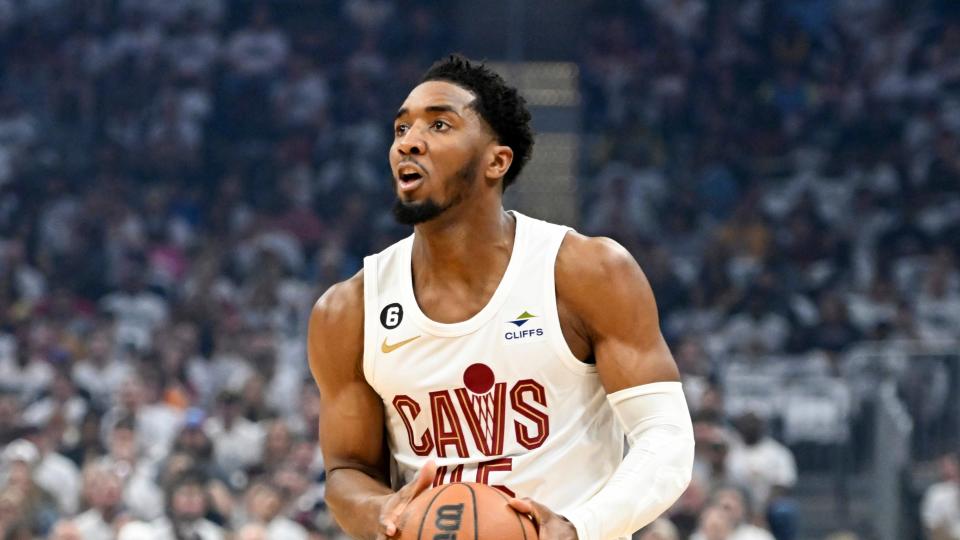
(189, 502)
(437, 149)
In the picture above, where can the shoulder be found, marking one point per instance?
(335, 331)
(593, 258)
(597, 273)
(341, 303)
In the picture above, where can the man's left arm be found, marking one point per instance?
(607, 295)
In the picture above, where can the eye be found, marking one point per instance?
(440, 125)
(400, 129)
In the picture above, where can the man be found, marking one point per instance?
(940, 508)
(734, 501)
(103, 487)
(493, 347)
(715, 524)
(768, 471)
(187, 504)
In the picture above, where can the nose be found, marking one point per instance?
(411, 145)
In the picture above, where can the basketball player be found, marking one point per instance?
(492, 347)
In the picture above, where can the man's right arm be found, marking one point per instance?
(351, 412)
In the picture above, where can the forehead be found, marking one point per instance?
(433, 93)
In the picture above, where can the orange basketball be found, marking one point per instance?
(465, 511)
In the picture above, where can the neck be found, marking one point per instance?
(464, 246)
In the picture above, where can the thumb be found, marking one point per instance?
(424, 479)
(407, 493)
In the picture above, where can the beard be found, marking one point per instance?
(412, 213)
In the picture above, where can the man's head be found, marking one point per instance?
(715, 524)
(735, 501)
(104, 488)
(187, 497)
(751, 427)
(461, 130)
(264, 502)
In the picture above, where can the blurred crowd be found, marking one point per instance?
(181, 179)
(788, 176)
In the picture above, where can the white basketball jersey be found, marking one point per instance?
(499, 398)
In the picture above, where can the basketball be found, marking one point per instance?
(466, 511)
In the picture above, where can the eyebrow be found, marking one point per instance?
(430, 109)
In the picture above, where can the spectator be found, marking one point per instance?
(237, 442)
(264, 506)
(103, 488)
(100, 371)
(259, 50)
(715, 524)
(940, 508)
(156, 423)
(660, 529)
(138, 311)
(187, 504)
(767, 470)
(141, 495)
(735, 502)
(25, 505)
(63, 399)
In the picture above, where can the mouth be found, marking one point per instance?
(409, 178)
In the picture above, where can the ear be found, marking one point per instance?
(498, 160)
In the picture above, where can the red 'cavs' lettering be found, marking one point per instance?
(539, 395)
(484, 417)
(425, 445)
(446, 424)
(476, 419)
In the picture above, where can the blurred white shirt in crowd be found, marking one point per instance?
(760, 468)
(93, 527)
(238, 446)
(940, 508)
(137, 314)
(60, 478)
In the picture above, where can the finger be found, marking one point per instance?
(388, 523)
(388, 528)
(528, 508)
(524, 506)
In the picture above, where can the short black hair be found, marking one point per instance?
(500, 105)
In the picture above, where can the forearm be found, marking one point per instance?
(655, 471)
(355, 499)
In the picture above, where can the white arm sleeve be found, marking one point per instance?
(655, 471)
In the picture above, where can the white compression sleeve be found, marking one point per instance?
(656, 469)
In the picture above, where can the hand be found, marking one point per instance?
(395, 504)
(550, 526)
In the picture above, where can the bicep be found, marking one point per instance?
(613, 299)
(351, 412)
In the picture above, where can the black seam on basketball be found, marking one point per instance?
(473, 497)
(426, 512)
(523, 530)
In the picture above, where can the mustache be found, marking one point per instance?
(414, 162)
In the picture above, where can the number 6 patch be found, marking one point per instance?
(391, 316)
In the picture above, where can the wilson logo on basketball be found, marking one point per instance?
(448, 520)
(480, 408)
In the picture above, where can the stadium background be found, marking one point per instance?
(181, 179)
